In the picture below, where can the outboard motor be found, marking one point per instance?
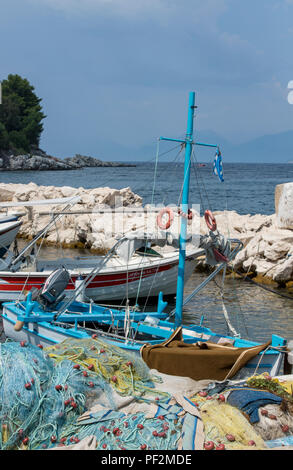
(53, 291)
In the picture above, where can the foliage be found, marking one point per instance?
(21, 115)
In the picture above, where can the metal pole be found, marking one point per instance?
(185, 202)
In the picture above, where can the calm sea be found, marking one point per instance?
(248, 189)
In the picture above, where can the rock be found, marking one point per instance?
(95, 231)
(283, 271)
(267, 252)
(277, 250)
(84, 161)
(40, 161)
(284, 205)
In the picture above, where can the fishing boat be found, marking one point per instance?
(116, 280)
(46, 317)
(141, 264)
(9, 228)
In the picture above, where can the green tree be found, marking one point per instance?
(21, 115)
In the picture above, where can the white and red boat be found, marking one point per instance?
(9, 228)
(115, 279)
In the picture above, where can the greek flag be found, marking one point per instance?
(218, 166)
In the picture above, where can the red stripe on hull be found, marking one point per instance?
(17, 284)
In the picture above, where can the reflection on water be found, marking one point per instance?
(255, 313)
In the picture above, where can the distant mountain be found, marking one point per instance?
(275, 148)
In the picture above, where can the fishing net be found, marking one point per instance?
(124, 371)
(43, 392)
(118, 431)
(225, 425)
(38, 396)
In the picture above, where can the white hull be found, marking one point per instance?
(8, 232)
(142, 277)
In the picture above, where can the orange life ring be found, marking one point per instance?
(169, 222)
(210, 221)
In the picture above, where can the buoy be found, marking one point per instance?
(116, 432)
(221, 447)
(222, 398)
(273, 417)
(230, 437)
(210, 221)
(209, 445)
(169, 222)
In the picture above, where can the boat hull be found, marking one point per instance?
(47, 334)
(8, 233)
(109, 284)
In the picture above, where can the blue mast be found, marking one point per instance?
(188, 142)
(185, 207)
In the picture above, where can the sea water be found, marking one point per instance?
(248, 189)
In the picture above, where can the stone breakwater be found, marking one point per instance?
(90, 230)
(268, 239)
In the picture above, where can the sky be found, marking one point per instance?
(114, 75)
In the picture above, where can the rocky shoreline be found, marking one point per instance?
(40, 161)
(267, 255)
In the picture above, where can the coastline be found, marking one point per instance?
(267, 256)
(40, 161)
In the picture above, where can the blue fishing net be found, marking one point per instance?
(39, 396)
(115, 430)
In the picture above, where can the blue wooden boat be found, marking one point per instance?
(47, 320)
